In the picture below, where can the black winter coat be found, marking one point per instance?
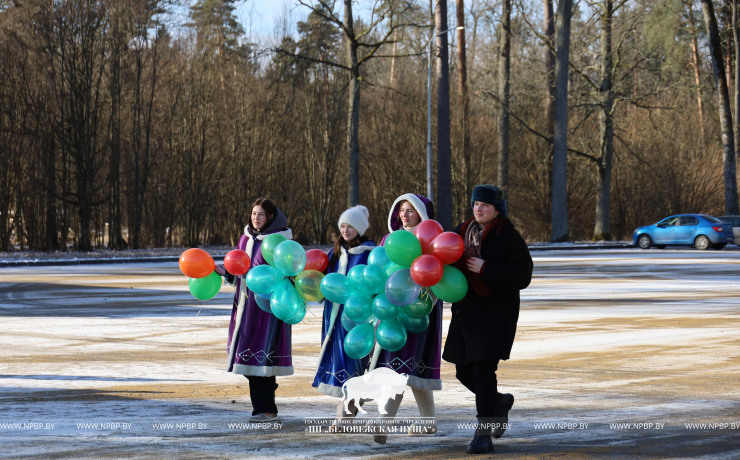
(483, 328)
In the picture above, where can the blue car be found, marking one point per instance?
(698, 230)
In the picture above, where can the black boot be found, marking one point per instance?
(506, 401)
(481, 443)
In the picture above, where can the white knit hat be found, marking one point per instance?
(357, 217)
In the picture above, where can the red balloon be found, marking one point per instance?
(196, 263)
(448, 247)
(427, 270)
(426, 232)
(237, 262)
(316, 259)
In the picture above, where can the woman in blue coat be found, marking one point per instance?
(334, 366)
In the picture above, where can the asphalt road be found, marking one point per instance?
(619, 354)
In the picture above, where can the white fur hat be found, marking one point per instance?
(357, 217)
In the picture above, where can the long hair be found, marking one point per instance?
(270, 210)
(356, 241)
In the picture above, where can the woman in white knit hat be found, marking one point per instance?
(334, 366)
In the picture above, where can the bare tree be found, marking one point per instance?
(560, 137)
(725, 114)
(504, 65)
(444, 147)
(462, 68)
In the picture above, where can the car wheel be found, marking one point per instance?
(660, 246)
(645, 242)
(702, 243)
(719, 246)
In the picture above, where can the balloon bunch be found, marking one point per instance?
(199, 266)
(400, 301)
(290, 278)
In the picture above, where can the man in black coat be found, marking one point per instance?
(497, 266)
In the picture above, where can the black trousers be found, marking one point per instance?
(262, 394)
(480, 378)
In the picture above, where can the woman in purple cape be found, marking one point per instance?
(420, 357)
(258, 344)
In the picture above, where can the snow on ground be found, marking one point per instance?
(605, 337)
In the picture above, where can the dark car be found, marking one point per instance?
(698, 230)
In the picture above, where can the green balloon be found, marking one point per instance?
(354, 275)
(347, 323)
(359, 308)
(414, 325)
(360, 340)
(308, 285)
(205, 288)
(453, 287)
(420, 307)
(383, 309)
(402, 248)
(336, 288)
(263, 279)
(391, 335)
(392, 269)
(289, 258)
(285, 301)
(379, 257)
(268, 246)
(298, 317)
(373, 279)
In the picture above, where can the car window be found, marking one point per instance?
(668, 222)
(688, 220)
(713, 220)
(736, 222)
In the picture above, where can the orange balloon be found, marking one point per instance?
(426, 232)
(447, 247)
(237, 262)
(316, 259)
(196, 263)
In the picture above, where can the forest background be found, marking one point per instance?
(154, 123)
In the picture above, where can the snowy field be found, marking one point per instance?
(619, 354)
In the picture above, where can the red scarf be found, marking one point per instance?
(496, 225)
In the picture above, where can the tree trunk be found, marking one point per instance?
(462, 67)
(560, 136)
(697, 74)
(115, 239)
(393, 59)
(549, 17)
(353, 121)
(602, 230)
(52, 242)
(444, 148)
(725, 114)
(736, 37)
(504, 65)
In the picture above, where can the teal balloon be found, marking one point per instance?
(347, 323)
(359, 308)
(263, 301)
(453, 287)
(285, 301)
(360, 340)
(263, 279)
(379, 257)
(420, 307)
(354, 275)
(373, 279)
(336, 288)
(298, 317)
(290, 258)
(402, 247)
(205, 288)
(268, 246)
(401, 288)
(383, 309)
(391, 335)
(414, 325)
(393, 269)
